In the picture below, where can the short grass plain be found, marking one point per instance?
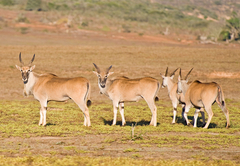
(65, 141)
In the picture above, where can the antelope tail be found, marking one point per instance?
(222, 104)
(87, 95)
(156, 97)
(220, 97)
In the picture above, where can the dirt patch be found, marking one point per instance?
(223, 75)
(95, 145)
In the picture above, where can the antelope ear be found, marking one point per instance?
(19, 68)
(162, 75)
(172, 76)
(179, 78)
(95, 72)
(31, 68)
(187, 79)
(110, 73)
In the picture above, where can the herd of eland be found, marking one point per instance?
(49, 87)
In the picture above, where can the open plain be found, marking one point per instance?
(65, 141)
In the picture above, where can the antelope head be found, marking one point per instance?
(25, 69)
(166, 77)
(102, 75)
(182, 83)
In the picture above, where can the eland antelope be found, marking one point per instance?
(49, 87)
(123, 89)
(174, 96)
(202, 95)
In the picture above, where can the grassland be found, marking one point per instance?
(65, 141)
(66, 136)
(197, 18)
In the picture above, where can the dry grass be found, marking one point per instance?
(127, 59)
(69, 56)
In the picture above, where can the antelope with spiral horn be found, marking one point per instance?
(123, 89)
(174, 96)
(49, 87)
(202, 95)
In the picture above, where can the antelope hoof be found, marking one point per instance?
(151, 123)
(188, 124)
(173, 123)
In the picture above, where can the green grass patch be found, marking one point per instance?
(130, 150)
(108, 161)
(20, 119)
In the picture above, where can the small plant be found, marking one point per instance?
(85, 24)
(22, 18)
(137, 155)
(130, 150)
(109, 140)
(53, 153)
(134, 136)
(106, 29)
(224, 35)
(33, 5)
(80, 151)
(7, 2)
(45, 30)
(23, 30)
(187, 147)
(126, 28)
(69, 147)
(146, 145)
(218, 3)
(60, 143)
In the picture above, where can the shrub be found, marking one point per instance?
(33, 5)
(126, 28)
(7, 2)
(22, 18)
(218, 3)
(23, 30)
(224, 35)
(85, 24)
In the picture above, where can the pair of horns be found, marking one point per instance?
(20, 59)
(180, 74)
(172, 72)
(98, 70)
